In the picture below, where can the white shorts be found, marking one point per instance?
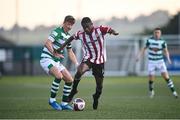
(156, 65)
(47, 63)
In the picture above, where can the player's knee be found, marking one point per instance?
(70, 80)
(165, 75)
(58, 76)
(99, 88)
(98, 75)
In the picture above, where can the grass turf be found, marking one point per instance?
(122, 97)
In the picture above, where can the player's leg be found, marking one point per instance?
(82, 68)
(98, 72)
(166, 77)
(170, 83)
(151, 86)
(50, 67)
(151, 77)
(67, 89)
(55, 86)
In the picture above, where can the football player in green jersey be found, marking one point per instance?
(156, 48)
(51, 62)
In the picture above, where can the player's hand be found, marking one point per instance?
(115, 33)
(169, 61)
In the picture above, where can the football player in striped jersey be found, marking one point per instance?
(94, 47)
(51, 62)
(157, 47)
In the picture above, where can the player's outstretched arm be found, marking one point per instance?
(49, 46)
(69, 40)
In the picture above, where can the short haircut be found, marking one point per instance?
(157, 29)
(85, 21)
(70, 19)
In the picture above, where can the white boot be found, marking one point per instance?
(175, 94)
(151, 94)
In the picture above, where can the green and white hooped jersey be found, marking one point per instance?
(155, 49)
(58, 37)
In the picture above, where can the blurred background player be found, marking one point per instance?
(51, 62)
(94, 48)
(156, 47)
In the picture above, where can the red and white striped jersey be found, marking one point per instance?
(94, 45)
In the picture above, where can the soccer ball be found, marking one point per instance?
(78, 104)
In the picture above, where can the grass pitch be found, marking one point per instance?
(122, 98)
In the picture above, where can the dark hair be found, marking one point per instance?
(70, 19)
(85, 21)
(157, 29)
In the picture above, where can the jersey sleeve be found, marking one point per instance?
(164, 45)
(53, 35)
(76, 36)
(147, 43)
(104, 29)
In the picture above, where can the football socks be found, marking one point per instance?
(66, 91)
(170, 84)
(151, 85)
(55, 87)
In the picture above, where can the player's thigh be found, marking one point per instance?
(45, 64)
(163, 69)
(98, 70)
(83, 67)
(55, 72)
(50, 67)
(66, 75)
(164, 72)
(151, 69)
